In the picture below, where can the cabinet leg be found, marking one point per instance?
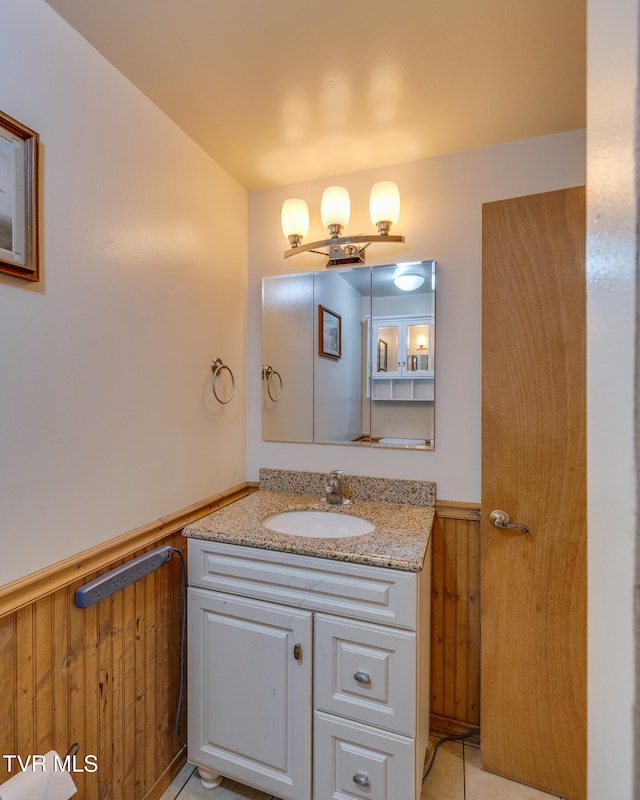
(208, 779)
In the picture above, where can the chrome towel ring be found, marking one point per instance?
(217, 367)
(268, 373)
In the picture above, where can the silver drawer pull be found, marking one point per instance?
(360, 779)
(361, 677)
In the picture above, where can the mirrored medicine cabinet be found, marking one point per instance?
(348, 357)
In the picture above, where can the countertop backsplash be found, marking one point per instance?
(357, 487)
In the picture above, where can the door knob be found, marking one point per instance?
(500, 520)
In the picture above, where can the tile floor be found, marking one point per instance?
(456, 775)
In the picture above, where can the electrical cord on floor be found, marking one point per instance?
(458, 737)
(183, 634)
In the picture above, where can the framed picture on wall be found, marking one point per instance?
(18, 200)
(330, 333)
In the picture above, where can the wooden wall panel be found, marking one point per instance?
(455, 619)
(106, 677)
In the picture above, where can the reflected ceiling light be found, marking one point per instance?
(408, 281)
(335, 210)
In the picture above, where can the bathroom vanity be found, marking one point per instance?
(309, 657)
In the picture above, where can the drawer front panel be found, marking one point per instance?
(366, 673)
(353, 762)
(358, 591)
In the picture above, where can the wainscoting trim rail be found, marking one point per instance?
(36, 585)
(455, 509)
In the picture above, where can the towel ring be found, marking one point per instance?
(268, 373)
(217, 367)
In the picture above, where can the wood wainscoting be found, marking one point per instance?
(108, 676)
(455, 619)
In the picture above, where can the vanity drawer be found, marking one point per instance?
(361, 762)
(364, 672)
(358, 591)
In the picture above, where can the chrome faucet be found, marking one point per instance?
(333, 490)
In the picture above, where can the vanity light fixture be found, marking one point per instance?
(335, 209)
(421, 341)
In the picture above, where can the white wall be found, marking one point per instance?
(107, 420)
(440, 218)
(337, 385)
(289, 307)
(612, 213)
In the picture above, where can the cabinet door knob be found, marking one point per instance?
(297, 651)
(361, 677)
(361, 779)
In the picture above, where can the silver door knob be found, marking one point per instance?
(500, 520)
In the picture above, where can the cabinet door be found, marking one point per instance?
(402, 347)
(417, 338)
(387, 352)
(250, 691)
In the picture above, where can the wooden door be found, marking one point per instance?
(533, 608)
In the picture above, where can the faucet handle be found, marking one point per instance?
(336, 473)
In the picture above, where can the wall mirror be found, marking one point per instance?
(348, 356)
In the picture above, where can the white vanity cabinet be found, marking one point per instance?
(308, 677)
(402, 358)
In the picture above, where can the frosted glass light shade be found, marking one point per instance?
(335, 206)
(384, 202)
(295, 218)
(408, 281)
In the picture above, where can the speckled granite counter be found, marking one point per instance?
(401, 510)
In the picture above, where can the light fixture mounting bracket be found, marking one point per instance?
(343, 249)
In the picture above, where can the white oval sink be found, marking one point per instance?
(318, 524)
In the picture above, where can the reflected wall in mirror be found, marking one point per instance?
(380, 391)
(287, 358)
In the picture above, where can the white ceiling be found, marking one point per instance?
(279, 91)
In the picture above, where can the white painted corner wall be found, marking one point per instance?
(107, 419)
(440, 217)
(612, 323)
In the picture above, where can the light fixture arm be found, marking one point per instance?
(365, 239)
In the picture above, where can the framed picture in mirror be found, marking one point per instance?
(382, 355)
(330, 333)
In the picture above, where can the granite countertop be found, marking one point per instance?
(399, 541)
